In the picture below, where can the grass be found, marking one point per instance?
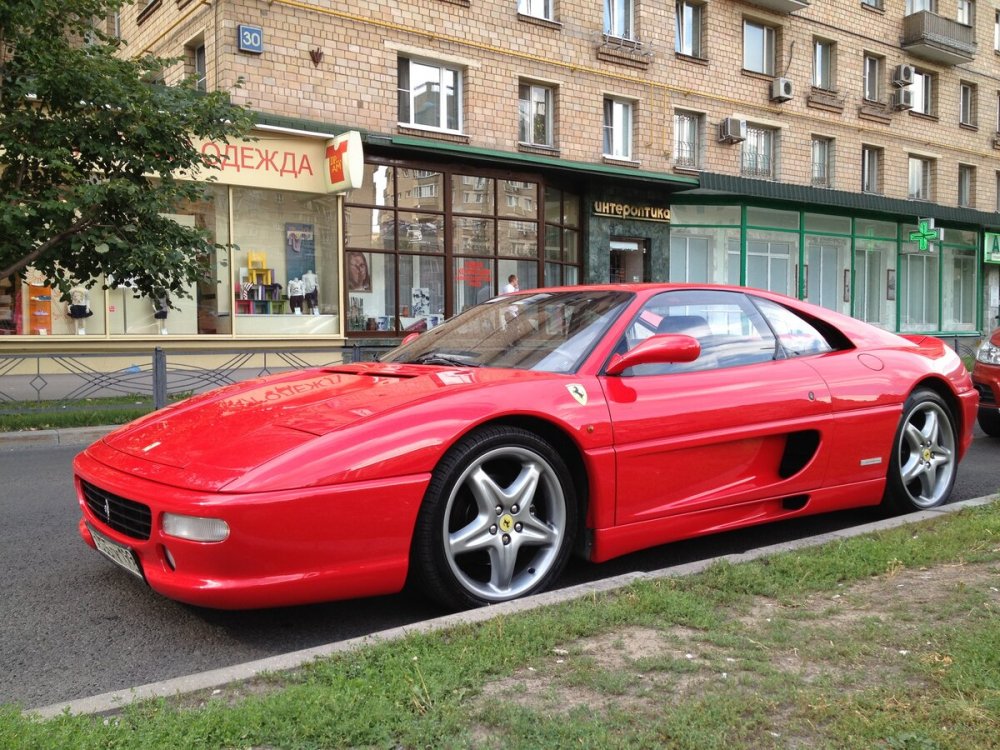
(884, 641)
(49, 415)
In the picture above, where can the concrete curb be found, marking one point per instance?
(44, 438)
(217, 678)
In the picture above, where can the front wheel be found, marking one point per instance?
(497, 522)
(924, 455)
(989, 421)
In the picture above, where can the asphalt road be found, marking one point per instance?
(72, 625)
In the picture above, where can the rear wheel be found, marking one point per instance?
(497, 522)
(924, 455)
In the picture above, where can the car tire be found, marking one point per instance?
(498, 520)
(989, 422)
(924, 458)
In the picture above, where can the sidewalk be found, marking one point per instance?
(79, 436)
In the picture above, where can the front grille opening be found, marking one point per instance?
(124, 516)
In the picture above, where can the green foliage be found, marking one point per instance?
(82, 133)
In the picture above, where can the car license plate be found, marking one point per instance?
(116, 553)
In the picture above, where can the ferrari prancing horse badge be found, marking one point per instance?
(578, 392)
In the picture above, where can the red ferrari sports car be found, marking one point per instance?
(476, 457)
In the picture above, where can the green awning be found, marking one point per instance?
(902, 210)
(511, 159)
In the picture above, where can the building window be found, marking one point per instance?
(758, 47)
(873, 78)
(536, 8)
(199, 66)
(915, 6)
(996, 32)
(967, 104)
(430, 95)
(877, 4)
(757, 153)
(966, 185)
(998, 192)
(535, 107)
(688, 41)
(923, 93)
(617, 129)
(618, 19)
(871, 170)
(823, 62)
(115, 24)
(687, 139)
(822, 161)
(919, 179)
(966, 13)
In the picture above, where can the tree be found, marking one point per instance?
(93, 153)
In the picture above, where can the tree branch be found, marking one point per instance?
(45, 246)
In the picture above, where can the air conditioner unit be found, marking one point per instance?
(732, 130)
(781, 89)
(902, 99)
(903, 75)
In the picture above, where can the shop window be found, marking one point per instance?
(918, 288)
(689, 28)
(422, 245)
(285, 267)
(430, 95)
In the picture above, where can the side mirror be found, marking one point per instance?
(661, 349)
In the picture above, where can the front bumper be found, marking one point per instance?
(284, 548)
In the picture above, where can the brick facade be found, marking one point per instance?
(354, 84)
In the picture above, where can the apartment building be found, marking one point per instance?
(842, 151)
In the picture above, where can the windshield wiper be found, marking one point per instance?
(437, 358)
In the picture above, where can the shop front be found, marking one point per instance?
(424, 241)
(273, 275)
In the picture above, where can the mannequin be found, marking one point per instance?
(296, 294)
(160, 309)
(79, 308)
(310, 285)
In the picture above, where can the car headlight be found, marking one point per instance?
(988, 353)
(195, 529)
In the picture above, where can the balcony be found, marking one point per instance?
(781, 6)
(930, 37)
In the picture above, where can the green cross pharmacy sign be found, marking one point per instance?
(925, 235)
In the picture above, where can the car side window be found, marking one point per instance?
(729, 329)
(796, 336)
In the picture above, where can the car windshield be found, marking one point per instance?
(550, 331)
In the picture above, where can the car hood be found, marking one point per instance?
(212, 439)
